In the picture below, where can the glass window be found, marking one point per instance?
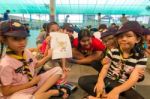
(73, 18)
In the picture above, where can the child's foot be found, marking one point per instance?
(64, 91)
(65, 95)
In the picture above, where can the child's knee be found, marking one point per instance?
(58, 70)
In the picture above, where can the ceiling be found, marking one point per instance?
(129, 7)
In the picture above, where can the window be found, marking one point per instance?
(73, 18)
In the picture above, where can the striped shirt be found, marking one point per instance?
(121, 68)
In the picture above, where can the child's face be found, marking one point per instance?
(128, 40)
(54, 28)
(67, 32)
(86, 42)
(109, 41)
(147, 38)
(16, 44)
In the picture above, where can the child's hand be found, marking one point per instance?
(35, 80)
(105, 61)
(66, 69)
(99, 88)
(141, 73)
(113, 94)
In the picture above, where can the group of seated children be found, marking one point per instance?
(119, 56)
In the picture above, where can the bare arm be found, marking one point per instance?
(10, 89)
(131, 81)
(103, 72)
(100, 85)
(77, 54)
(44, 59)
(91, 58)
(47, 54)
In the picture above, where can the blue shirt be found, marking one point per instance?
(5, 17)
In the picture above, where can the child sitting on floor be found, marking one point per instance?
(17, 68)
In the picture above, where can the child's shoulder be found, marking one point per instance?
(114, 50)
(6, 61)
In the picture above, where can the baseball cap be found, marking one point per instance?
(13, 28)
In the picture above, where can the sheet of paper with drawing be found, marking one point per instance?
(61, 46)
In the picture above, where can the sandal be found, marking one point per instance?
(62, 91)
(68, 90)
(71, 86)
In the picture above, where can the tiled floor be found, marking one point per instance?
(76, 72)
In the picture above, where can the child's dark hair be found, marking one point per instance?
(81, 34)
(8, 11)
(102, 26)
(50, 24)
(45, 26)
(138, 49)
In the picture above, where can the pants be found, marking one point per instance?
(87, 83)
